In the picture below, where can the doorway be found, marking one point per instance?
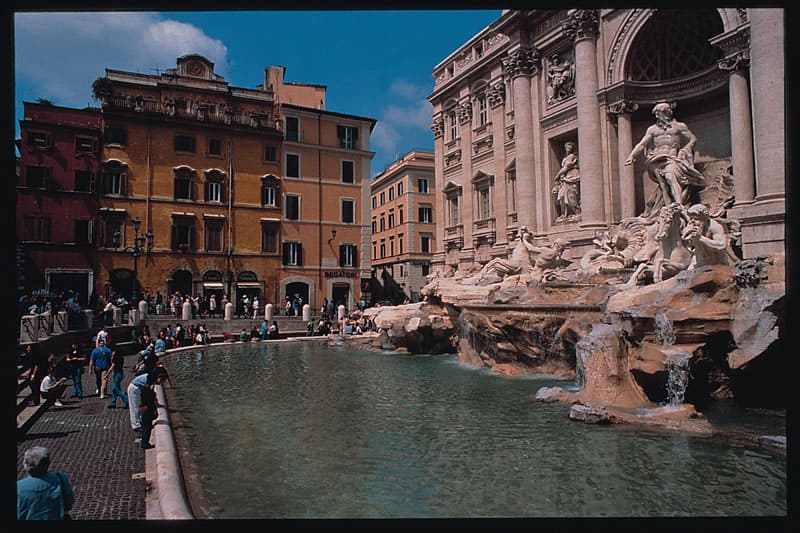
(340, 295)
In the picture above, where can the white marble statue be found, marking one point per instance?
(669, 149)
(567, 180)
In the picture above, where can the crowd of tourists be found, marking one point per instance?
(47, 374)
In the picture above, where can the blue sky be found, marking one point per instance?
(375, 64)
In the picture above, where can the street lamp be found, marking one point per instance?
(142, 244)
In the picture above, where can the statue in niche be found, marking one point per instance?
(567, 180)
(684, 225)
(560, 79)
(669, 150)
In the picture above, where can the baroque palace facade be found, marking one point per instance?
(205, 188)
(535, 116)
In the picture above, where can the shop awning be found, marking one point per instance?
(249, 284)
(212, 285)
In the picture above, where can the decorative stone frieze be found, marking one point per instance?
(581, 24)
(464, 60)
(560, 78)
(496, 39)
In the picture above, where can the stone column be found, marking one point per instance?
(464, 114)
(496, 94)
(741, 127)
(582, 25)
(440, 206)
(767, 77)
(627, 179)
(520, 65)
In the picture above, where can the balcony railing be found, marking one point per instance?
(252, 120)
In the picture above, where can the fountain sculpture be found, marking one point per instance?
(677, 265)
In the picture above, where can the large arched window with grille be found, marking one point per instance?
(674, 44)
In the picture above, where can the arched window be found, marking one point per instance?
(215, 186)
(674, 44)
(184, 178)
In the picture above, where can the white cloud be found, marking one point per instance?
(406, 89)
(384, 137)
(403, 124)
(59, 55)
(417, 114)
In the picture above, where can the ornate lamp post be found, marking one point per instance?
(142, 244)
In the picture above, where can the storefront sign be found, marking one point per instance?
(340, 274)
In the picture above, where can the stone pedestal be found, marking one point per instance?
(186, 311)
(268, 313)
(29, 329)
(117, 316)
(142, 310)
(60, 324)
(45, 325)
(228, 311)
(88, 318)
(306, 312)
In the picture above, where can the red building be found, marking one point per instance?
(56, 199)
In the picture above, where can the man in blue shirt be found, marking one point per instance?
(42, 495)
(100, 362)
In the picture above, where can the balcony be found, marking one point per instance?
(201, 114)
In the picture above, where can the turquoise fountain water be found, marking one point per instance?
(308, 430)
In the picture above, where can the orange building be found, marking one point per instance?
(224, 204)
(403, 226)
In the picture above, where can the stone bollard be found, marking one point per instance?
(186, 310)
(133, 316)
(306, 312)
(117, 316)
(28, 329)
(268, 313)
(60, 325)
(142, 309)
(340, 318)
(229, 311)
(88, 318)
